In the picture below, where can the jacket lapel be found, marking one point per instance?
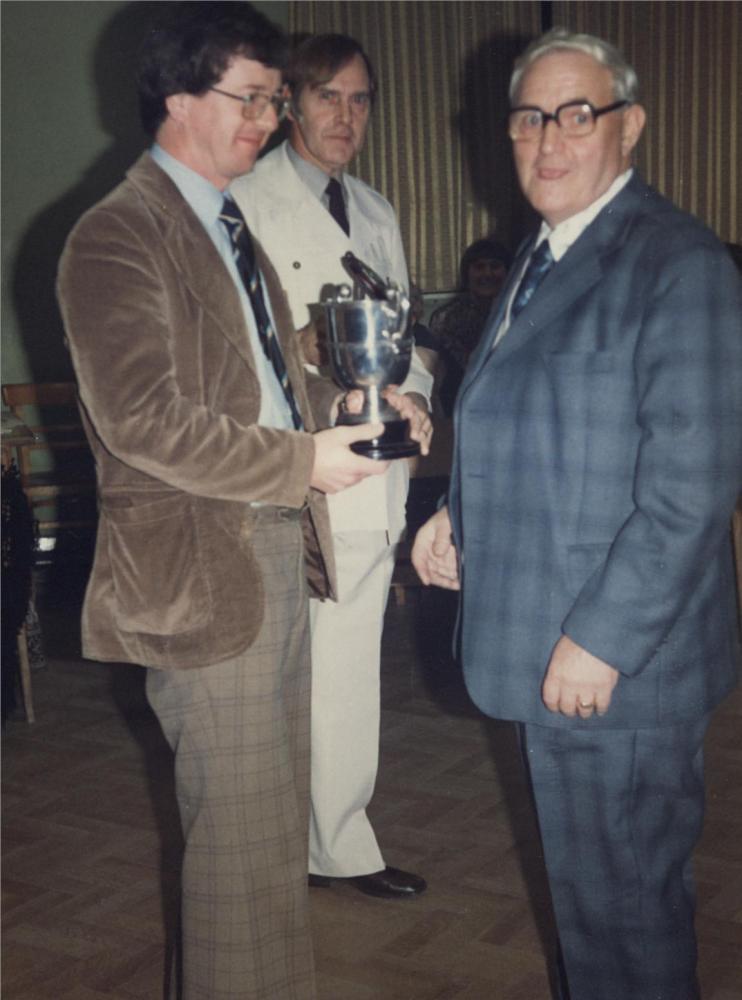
(579, 270)
(574, 275)
(483, 351)
(295, 213)
(193, 254)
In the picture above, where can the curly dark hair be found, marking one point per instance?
(484, 249)
(189, 48)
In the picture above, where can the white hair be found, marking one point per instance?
(625, 81)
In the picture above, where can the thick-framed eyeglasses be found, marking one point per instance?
(575, 119)
(254, 105)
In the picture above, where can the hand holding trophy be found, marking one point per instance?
(370, 348)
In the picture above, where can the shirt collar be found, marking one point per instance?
(205, 199)
(564, 234)
(313, 176)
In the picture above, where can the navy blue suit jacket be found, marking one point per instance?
(597, 461)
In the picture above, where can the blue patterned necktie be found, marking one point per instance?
(244, 256)
(540, 264)
(334, 192)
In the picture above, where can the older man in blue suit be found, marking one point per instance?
(598, 457)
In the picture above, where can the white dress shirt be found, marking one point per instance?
(562, 236)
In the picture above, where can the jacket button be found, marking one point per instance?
(296, 265)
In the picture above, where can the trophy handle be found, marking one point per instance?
(364, 276)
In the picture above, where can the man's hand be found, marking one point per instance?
(311, 346)
(412, 407)
(576, 682)
(335, 466)
(434, 554)
(349, 402)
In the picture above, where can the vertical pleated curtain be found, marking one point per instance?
(687, 55)
(437, 147)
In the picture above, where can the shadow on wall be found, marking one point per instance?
(35, 268)
(483, 126)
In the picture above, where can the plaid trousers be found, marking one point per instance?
(240, 733)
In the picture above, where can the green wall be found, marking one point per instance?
(69, 132)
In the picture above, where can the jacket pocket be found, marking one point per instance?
(156, 565)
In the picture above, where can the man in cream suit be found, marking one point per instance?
(213, 526)
(307, 212)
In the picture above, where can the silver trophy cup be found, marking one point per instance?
(370, 348)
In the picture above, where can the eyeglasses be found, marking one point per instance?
(575, 119)
(254, 105)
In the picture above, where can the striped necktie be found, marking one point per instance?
(540, 264)
(244, 256)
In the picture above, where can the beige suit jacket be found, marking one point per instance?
(170, 399)
(306, 245)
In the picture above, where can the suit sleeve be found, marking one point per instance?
(688, 469)
(419, 379)
(140, 382)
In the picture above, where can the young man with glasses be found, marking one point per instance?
(597, 464)
(308, 211)
(213, 526)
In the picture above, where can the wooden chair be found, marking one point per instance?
(57, 474)
(57, 463)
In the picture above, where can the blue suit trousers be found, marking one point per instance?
(620, 812)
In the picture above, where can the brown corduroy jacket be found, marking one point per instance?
(170, 399)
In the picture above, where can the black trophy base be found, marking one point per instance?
(395, 442)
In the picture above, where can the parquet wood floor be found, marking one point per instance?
(90, 845)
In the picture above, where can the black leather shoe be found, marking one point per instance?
(319, 881)
(391, 883)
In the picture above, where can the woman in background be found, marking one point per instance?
(457, 325)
